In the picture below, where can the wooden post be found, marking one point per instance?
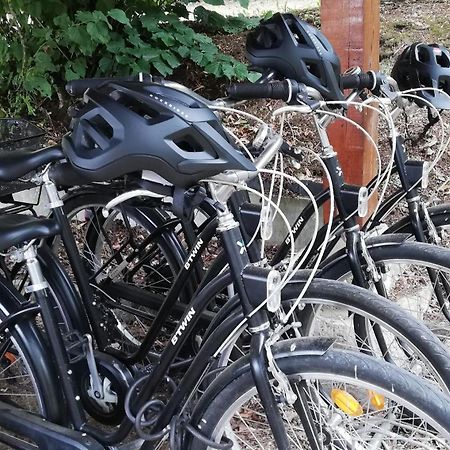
(353, 28)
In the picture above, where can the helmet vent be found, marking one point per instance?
(423, 55)
(188, 145)
(444, 84)
(443, 60)
(297, 36)
(313, 69)
(102, 126)
(425, 81)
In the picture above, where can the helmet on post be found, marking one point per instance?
(296, 50)
(425, 66)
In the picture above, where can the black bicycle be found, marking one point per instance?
(120, 387)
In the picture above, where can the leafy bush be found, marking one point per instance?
(214, 21)
(44, 43)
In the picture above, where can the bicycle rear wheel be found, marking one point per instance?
(131, 247)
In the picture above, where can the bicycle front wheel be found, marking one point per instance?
(354, 400)
(414, 275)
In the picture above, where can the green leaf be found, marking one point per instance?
(134, 38)
(37, 82)
(214, 2)
(165, 37)
(215, 68)
(105, 64)
(81, 37)
(98, 31)
(201, 38)
(241, 71)
(244, 3)
(196, 56)
(99, 16)
(150, 23)
(42, 35)
(76, 69)
(253, 76)
(84, 16)
(170, 59)
(162, 67)
(183, 51)
(15, 49)
(120, 16)
(124, 59)
(71, 75)
(43, 63)
(209, 48)
(228, 70)
(150, 54)
(63, 21)
(116, 44)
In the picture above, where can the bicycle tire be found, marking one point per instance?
(28, 345)
(211, 416)
(424, 347)
(165, 242)
(398, 258)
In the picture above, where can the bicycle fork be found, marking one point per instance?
(259, 327)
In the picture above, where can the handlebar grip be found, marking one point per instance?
(279, 90)
(358, 81)
(76, 88)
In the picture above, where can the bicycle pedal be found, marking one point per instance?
(75, 344)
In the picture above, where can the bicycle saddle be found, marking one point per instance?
(18, 228)
(14, 164)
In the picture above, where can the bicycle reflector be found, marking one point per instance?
(273, 301)
(356, 198)
(376, 400)
(346, 402)
(266, 222)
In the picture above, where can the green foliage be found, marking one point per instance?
(44, 43)
(214, 21)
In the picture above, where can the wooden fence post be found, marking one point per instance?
(353, 28)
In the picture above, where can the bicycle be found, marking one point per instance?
(140, 406)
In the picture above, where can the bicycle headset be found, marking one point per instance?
(423, 65)
(296, 50)
(129, 126)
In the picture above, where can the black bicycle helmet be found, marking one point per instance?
(296, 50)
(422, 65)
(129, 126)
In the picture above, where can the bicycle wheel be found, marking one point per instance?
(27, 380)
(404, 268)
(329, 309)
(440, 217)
(125, 248)
(355, 401)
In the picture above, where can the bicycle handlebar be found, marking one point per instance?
(363, 80)
(279, 90)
